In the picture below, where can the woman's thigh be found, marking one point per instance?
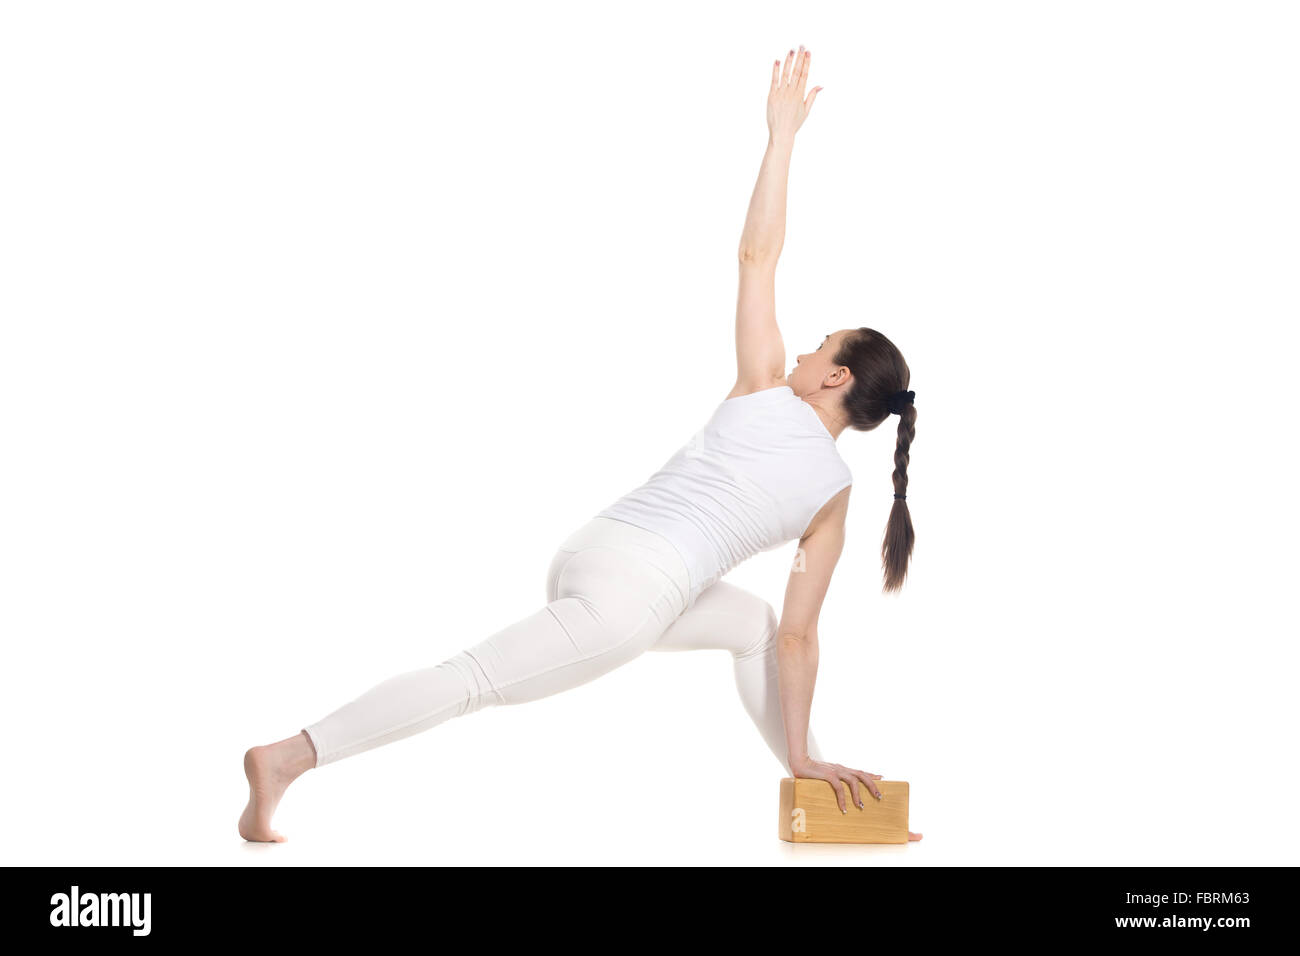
(606, 607)
(724, 617)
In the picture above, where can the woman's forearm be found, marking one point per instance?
(764, 232)
(796, 676)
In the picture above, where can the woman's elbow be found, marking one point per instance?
(797, 639)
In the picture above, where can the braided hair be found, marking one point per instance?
(878, 390)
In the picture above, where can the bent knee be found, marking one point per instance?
(760, 625)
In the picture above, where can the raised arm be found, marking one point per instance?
(760, 352)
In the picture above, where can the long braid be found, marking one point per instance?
(896, 546)
(880, 380)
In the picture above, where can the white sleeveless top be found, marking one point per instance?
(750, 480)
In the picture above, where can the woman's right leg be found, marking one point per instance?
(726, 617)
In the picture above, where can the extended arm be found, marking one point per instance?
(820, 548)
(819, 552)
(760, 351)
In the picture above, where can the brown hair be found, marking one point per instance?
(879, 373)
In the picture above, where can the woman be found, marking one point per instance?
(643, 573)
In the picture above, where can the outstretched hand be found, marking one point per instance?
(786, 106)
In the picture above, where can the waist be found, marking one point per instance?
(711, 542)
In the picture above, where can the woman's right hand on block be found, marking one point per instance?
(837, 775)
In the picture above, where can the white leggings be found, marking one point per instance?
(614, 591)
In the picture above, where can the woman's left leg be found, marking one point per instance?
(612, 589)
(726, 617)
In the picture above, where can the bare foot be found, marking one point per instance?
(912, 837)
(270, 769)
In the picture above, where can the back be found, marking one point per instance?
(750, 480)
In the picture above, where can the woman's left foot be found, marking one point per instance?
(270, 769)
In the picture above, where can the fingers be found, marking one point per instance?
(853, 787)
(776, 74)
(840, 775)
(838, 786)
(795, 71)
(812, 98)
(845, 775)
(912, 837)
(867, 778)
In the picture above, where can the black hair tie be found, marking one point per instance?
(900, 496)
(898, 400)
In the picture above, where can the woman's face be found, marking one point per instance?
(814, 370)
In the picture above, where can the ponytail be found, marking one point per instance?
(880, 380)
(896, 547)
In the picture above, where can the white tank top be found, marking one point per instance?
(750, 480)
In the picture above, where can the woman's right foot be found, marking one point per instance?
(270, 769)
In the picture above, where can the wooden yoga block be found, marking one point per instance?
(810, 813)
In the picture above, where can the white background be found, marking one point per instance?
(324, 323)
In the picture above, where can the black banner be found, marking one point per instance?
(1222, 906)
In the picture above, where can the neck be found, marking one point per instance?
(829, 413)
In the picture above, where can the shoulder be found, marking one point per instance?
(749, 387)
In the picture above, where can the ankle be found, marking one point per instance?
(294, 755)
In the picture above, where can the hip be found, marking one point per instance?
(648, 547)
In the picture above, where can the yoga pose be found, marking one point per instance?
(643, 574)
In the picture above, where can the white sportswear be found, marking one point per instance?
(641, 575)
(614, 591)
(750, 480)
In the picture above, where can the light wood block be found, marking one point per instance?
(811, 814)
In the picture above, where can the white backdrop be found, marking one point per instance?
(324, 323)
